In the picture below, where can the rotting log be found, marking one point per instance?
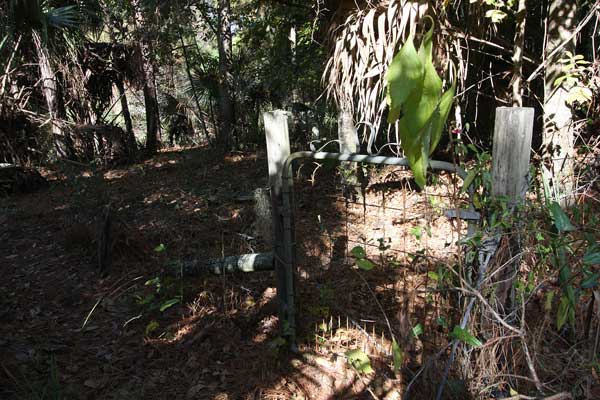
(256, 262)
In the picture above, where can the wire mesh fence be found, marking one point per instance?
(409, 237)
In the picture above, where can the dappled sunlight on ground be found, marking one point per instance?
(142, 333)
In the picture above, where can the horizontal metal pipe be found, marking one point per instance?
(256, 262)
(368, 159)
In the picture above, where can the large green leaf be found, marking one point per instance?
(414, 90)
(404, 74)
(426, 47)
(560, 218)
(439, 119)
(422, 102)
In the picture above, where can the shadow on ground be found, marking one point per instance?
(66, 332)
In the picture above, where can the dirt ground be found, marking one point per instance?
(67, 331)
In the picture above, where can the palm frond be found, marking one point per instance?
(63, 17)
(362, 46)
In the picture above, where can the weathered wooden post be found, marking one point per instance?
(348, 144)
(510, 175)
(278, 149)
(512, 147)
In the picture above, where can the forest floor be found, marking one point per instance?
(139, 333)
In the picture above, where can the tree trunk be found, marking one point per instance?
(225, 79)
(130, 139)
(150, 96)
(62, 145)
(558, 138)
(194, 93)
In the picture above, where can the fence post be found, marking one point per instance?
(348, 145)
(511, 150)
(510, 178)
(278, 149)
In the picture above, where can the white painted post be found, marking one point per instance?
(278, 149)
(510, 178)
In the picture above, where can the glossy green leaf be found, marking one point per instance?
(365, 264)
(397, 355)
(360, 361)
(465, 336)
(359, 252)
(560, 219)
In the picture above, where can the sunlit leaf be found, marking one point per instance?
(465, 336)
(579, 94)
(404, 74)
(168, 304)
(420, 101)
(360, 361)
(160, 248)
(397, 355)
(365, 264)
(495, 15)
(433, 275)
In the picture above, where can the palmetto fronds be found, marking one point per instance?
(362, 46)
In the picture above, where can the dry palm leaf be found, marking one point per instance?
(362, 47)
